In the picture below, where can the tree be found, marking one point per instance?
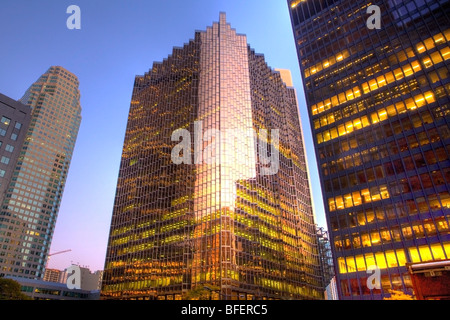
(10, 290)
(201, 293)
(399, 295)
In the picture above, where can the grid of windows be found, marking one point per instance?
(178, 227)
(378, 102)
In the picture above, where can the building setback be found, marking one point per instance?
(31, 202)
(378, 102)
(220, 224)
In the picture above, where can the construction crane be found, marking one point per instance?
(52, 254)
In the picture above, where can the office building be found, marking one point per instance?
(52, 275)
(377, 93)
(222, 218)
(31, 201)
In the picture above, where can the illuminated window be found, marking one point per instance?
(374, 118)
(366, 195)
(420, 47)
(445, 199)
(365, 239)
(6, 121)
(410, 105)
(334, 101)
(427, 62)
(331, 204)
(370, 260)
(360, 264)
(447, 249)
(361, 219)
(429, 43)
(357, 198)
(400, 106)
(425, 253)
(407, 70)
(348, 201)
(334, 133)
(445, 53)
(375, 238)
(414, 255)
(316, 124)
(319, 138)
(339, 202)
(373, 84)
(391, 259)
(349, 126)
(381, 261)
(438, 252)
(436, 57)
(429, 97)
(365, 87)
(341, 264)
(351, 266)
(382, 114)
(364, 122)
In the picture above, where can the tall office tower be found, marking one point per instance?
(378, 102)
(30, 204)
(221, 219)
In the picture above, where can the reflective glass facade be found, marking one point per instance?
(221, 224)
(31, 202)
(378, 101)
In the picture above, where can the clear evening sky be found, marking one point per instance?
(118, 40)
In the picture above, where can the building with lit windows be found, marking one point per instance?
(31, 201)
(52, 275)
(378, 102)
(222, 224)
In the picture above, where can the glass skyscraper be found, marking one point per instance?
(219, 219)
(31, 202)
(378, 102)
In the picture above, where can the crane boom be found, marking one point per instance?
(52, 254)
(59, 252)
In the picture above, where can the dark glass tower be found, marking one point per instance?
(223, 225)
(378, 101)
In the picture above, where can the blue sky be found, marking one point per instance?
(118, 40)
